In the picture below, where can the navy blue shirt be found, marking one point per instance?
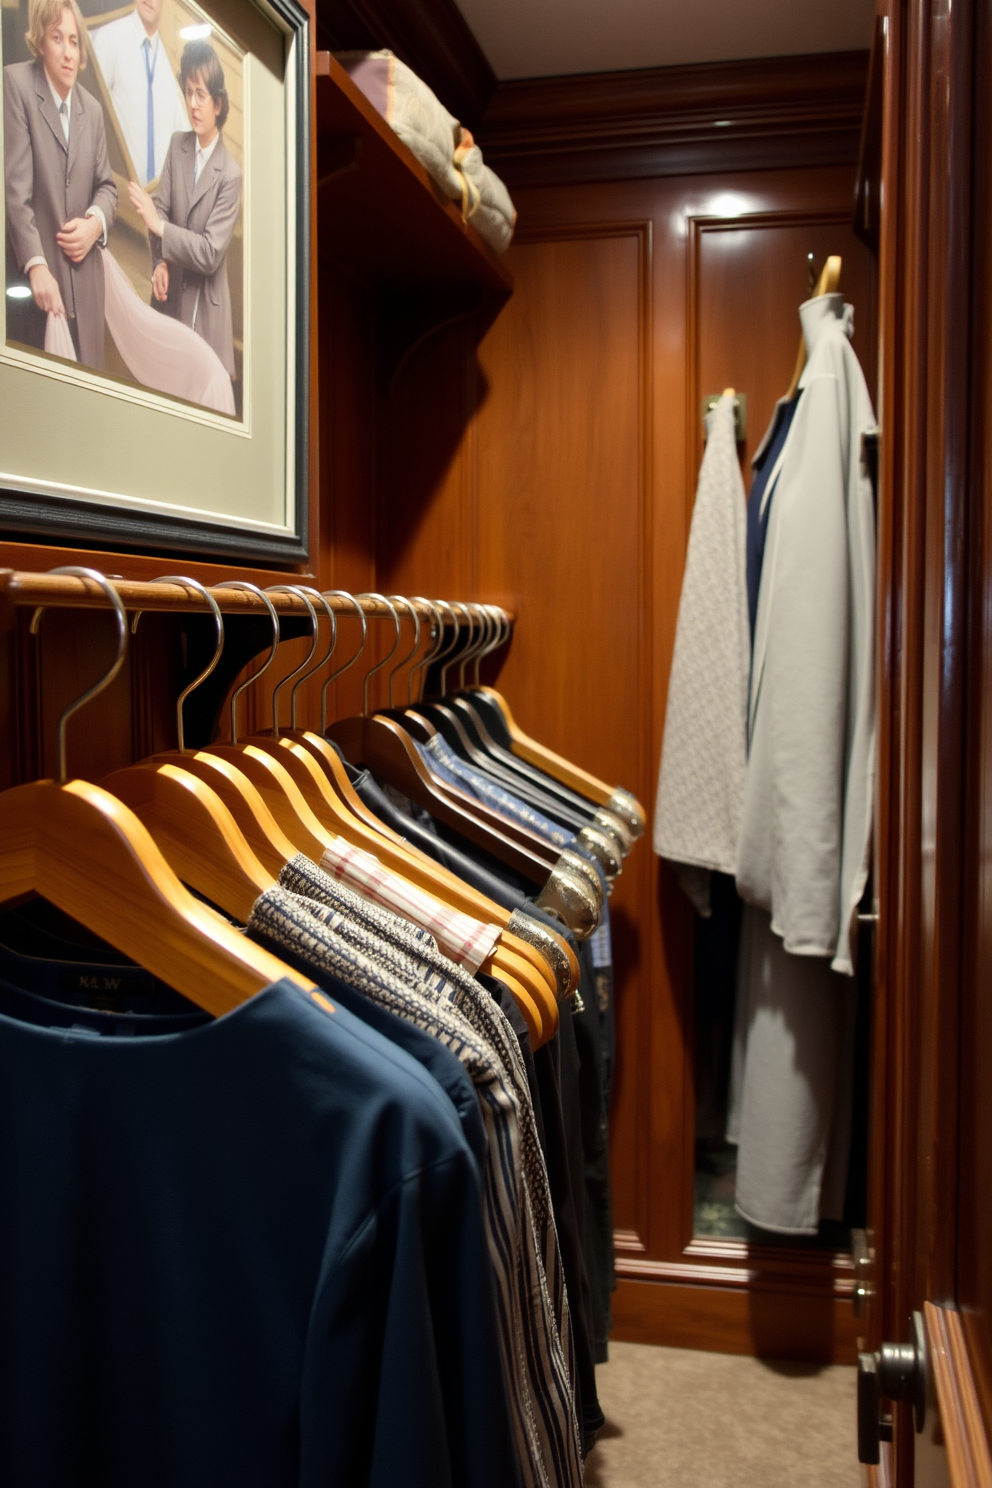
(235, 1253)
(757, 520)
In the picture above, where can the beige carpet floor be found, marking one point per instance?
(692, 1420)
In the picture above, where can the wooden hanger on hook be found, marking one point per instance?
(300, 829)
(195, 830)
(83, 850)
(828, 283)
(386, 748)
(614, 798)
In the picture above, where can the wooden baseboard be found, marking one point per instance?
(814, 1327)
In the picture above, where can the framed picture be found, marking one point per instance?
(154, 358)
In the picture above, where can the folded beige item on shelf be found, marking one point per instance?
(485, 200)
(447, 152)
(411, 109)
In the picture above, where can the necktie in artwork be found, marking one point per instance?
(64, 119)
(150, 74)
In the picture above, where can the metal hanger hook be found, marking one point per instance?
(455, 655)
(381, 599)
(399, 599)
(339, 671)
(117, 605)
(316, 594)
(291, 589)
(211, 664)
(498, 636)
(252, 589)
(441, 650)
(474, 654)
(436, 637)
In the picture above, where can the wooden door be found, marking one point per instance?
(931, 1196)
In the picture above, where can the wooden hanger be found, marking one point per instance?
(615, 798)
(201, 837)
(497, 759)
(533, 986)
(192, 827)
(828, 283)
(382, 745)
(306, 758)
(84, 851)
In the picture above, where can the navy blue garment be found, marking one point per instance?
(444, 1066)
(249, 1252)
(757, 520)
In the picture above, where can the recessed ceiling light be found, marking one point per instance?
(18, 292)
(195, 33)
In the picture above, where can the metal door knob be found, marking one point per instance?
(896, 1371)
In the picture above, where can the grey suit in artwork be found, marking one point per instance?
(199, 222)
(47, 183)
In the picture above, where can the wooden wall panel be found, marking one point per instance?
(575, 479)
(562, 511)
(747, 271)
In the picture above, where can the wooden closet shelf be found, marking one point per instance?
(66, 592)
(378, 211)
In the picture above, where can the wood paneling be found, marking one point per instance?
(753, 270)
(772, 1324)
(724, 116)
(932, 1036)
(568, 499)
(974, 1173)
(563, 519)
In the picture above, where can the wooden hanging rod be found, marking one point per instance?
(63, 591)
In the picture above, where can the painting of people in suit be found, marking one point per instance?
(124, 156)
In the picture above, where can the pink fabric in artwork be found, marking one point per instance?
(58, 341)
(160, 352)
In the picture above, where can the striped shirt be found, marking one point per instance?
(466, 940)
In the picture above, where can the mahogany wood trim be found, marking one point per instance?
(868, 187)
(968, 1453)
(880, 1476)
(760, 113)
(768, 1268)
(431, 36)
(768, 1323)
(628, 1242)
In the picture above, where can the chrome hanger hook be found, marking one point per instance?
(316, 594)
(108, 677)
(212, 663)
(437, 639)
(454, 655)
(399, 599)
(381, 599)
(252, 589)
(292, 589)
(504, 627)
(496, 638)
(474, 652)
(339, 671)
(446, 651)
